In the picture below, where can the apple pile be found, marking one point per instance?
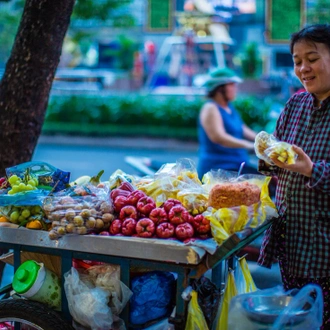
(137, 215)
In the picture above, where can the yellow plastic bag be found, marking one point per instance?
(230, 292)
(243, 278)
(195, 319)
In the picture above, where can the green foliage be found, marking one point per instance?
(251, 62)
(10, 15)
(319, 13)
(91, 9)
(138, 114)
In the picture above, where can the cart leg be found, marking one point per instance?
(126, 279)
(217, 275)
(66, 264)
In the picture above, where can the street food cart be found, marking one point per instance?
(188, 262)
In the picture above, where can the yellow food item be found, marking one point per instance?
(3, 219)
(35, 224)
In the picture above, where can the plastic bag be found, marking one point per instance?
(88, 305)
(195, 318)
(294, 309)
(108, 277)
(230, 292)
(153, 293)
(49, 177)
(267, 146)
(243, 278)
(171, 180)
(228, 220)
(71, 213)
(208, 298)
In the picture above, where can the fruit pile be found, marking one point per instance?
(31, 217)
(77, 214)
(18, 184)
(137, 215)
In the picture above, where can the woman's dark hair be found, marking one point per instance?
(314, 33)
(221, 89)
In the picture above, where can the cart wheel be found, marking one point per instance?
(30, 315)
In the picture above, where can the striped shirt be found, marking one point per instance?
(304, 201)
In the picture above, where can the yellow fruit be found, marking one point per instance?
(3, 219)
(35, 224)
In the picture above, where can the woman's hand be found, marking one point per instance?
(303, 164)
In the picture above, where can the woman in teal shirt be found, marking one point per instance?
(224, 139)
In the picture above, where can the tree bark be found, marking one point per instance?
(30, 70)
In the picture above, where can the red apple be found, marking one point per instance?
(184, 231)
(170, 203)
(158, 215)
(115, 227)
(165, 230)
(201, 224)
(134, 197)
(128, 211)
(118, 192)
(145, 228)
(119, 203)
(145, 205)
(129, 227)
(178, 215)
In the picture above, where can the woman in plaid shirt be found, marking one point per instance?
(300, 237)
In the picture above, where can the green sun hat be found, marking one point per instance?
(220, 77)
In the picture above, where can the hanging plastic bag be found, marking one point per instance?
(208, 298)
(195, 318)
(243, 278)
(230, 292)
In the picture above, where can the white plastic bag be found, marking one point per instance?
(243, 278)
(88, 304)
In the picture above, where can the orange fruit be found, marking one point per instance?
(34, 224)
(3, 219)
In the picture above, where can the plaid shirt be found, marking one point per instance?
(305, 202)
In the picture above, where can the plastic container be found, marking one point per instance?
(33, 281)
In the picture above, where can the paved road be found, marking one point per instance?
(87, 156)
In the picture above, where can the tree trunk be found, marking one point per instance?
(30, 70)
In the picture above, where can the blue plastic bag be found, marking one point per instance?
(152, 298)
(49, 178)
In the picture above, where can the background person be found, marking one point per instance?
(224, 139)
(300, 237)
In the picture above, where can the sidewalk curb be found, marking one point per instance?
(120, 142)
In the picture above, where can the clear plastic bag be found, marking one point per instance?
(294, 309)
(79, 210)
(228, 220)
(49, 177)
(88, 304)
(267, 146)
